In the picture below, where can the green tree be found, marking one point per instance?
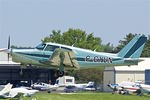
(108, 48)
(146, 51)
(86, 75)
(54, 37)
(75, 37)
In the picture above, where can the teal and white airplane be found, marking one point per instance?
(60, 56)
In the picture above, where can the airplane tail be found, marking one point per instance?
(134, 48)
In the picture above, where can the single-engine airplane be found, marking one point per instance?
(60, 56)
(125, 87)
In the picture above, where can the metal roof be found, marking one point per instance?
(4, 60)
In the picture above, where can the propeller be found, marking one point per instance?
(8, 47)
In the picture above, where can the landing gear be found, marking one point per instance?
(21, 73)
(21, 69)
(60, 73)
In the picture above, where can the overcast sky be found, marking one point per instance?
(28, 21)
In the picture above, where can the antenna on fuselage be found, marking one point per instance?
(73, 45)
(74, 42)
(95, 49)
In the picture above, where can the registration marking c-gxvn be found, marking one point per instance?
(98, 59)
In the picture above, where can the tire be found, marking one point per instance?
(60, 73)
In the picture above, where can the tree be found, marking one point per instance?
(108, 48)
(54, 37)
(146, 51)
(86, 75)
(75, 37)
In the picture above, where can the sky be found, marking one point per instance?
(29, 21)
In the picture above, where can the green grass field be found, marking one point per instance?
(84, 96)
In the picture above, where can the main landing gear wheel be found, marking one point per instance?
(60, 73)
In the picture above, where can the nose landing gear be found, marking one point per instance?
(21, 72)
(60, 73)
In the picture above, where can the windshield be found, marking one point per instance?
(50, 48)
(41, 46)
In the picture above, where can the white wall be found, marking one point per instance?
(131, 76)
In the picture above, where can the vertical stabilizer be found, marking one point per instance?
(134, 48)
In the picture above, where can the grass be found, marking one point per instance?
(84, 96)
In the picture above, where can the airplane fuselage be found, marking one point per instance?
(85, 58)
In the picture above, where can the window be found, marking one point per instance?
(40, 46)
(68, 80)
(50, 48)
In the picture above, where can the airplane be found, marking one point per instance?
(144, 89)
(19, 91)
(84, 86)
(5, 90)
(9, 92)
(61, 57)
(125, 87)
(43, 86)
(90, 87)
(80, 87)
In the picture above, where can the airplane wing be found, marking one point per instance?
(6, 90)
(1, 50)
(63, 57)
(144, 88)
(18, 92)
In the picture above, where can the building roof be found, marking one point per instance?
(4, 59)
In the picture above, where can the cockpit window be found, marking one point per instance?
(41, 46)
(51, 47)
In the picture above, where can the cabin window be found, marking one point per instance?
(50, 48)
(41, 46)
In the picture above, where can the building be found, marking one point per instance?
(11, 72)
(117, 74)
(147, 76)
